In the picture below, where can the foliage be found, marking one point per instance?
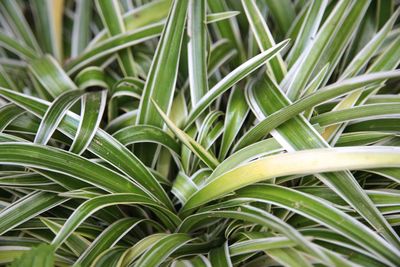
(199, 133)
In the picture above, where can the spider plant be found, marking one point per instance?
(199, 133)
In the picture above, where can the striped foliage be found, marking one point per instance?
(199, 133)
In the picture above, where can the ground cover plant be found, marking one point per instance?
(199, 133)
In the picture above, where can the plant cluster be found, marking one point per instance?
(199, 133)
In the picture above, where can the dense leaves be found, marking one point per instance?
(199, 133)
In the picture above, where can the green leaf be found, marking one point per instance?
(161, 249)
(188, 141)
(291, 136)
(113, 45)
(81, 29)
(301, 162)
(111, 17)
(12, 11)
(136, 18)
(143, 133)
(197, 49)
(314, 209)
(27, 208)
(55, 114)
(53, 159)
(343, 36)
(48, 23)
(308, 29)
(75, 242)
(7, 114)
(141, 246)
(275, 66)
(220, 256)
(91, 206)
(220, 52)
(283, 14)
(228, 29)
(313, 86)
(109, 257)
(246, 154)
(51, 76)
(183, 187)
(176, 172)
(288, 257)
(215, 17)
(259, 244)
(90, 120)
(6, 81)
(362, 138)
(236, 113)
(107, 239)
(103, 144)
(14, 46)
(164, 68)
(362, 58)
(209, 130)
(298, 76)
(42, 255)
(324, 94)
(231, 79)
(361, 112)
(258, 216)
